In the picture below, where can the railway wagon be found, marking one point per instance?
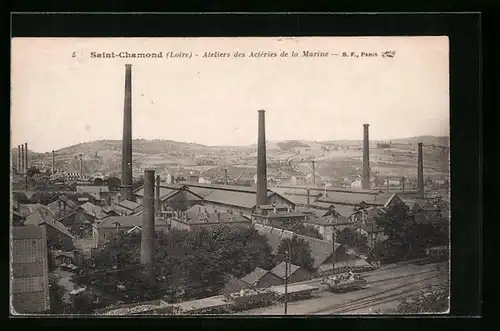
(294, 292)
(248, 298)
(344, 283)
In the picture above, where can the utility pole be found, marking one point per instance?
(287, 260)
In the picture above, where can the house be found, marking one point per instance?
(63, 206)
(322, 251)
(327, 225)
(29, 270)
(39, 215)
(109, 226)
(99, 193)
(295, 273)
(79, 223)
(127, 207)
(58, 236)
(261, 278)
(274, 215)
(201, 217)
(93, 210)
(233, 285)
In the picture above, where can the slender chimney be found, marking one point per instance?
(261, 161)
(420, 172)
(308, 201)
(19, 159)
(126, 184)
(53, 161)
(26, 163)
(388, 181)
(314, 172)
(81, 165)
(157, 196)
(148, 223)
(22, 159)
(403, 183)
(366, 158)
(225, 176)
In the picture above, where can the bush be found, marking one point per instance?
(429, 300)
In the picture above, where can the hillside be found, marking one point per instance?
(104, 156)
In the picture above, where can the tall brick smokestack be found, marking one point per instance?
(366, 158)
(81, 165)
(261, 161)
(225, 176)
(314, 172)
(148, 224)
(22, 159)
(126, 184)
(420, 171)
(19, 159)
(53, 161)
(26, 163)
(157, 196)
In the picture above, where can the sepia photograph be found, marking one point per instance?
(230, 176)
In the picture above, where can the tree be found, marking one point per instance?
(300, 252)
(407, 239)
(188, 264)
(300, 228)
(352, 239)
(56, 293)
(98, 182)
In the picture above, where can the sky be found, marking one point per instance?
(61, 96)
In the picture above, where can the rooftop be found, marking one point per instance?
(123, 222)
(130, 205)
(321, 250)
(92, 189)
(280, 270)
(254, 277)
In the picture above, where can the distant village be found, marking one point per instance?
(64, 224)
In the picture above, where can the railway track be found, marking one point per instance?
(384, 296)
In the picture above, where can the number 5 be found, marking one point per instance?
(74, 54)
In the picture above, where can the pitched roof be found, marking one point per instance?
(39, 216)
(92, 209)
(254, 277)
(28, 262)
(73, 205)
(58, 226)
(321, 250)
(130, 205)
(355, 198)
(233, 285)
(280, 270)
(238, 196)
(28, 209)
(199, 214)
(165, 189)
